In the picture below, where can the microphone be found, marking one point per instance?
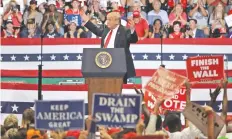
(40, 69)
(161, 31)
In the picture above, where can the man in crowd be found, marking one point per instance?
(157, 13)
(31, 30)
(141, 25)
(193, 32)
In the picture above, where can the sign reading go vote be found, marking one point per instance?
(59, 115)
(164, 83)
(117, 110)
(176, 103)
(205, 68)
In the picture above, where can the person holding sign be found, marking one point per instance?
(73, 14)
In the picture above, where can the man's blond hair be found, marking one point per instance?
(115, 15)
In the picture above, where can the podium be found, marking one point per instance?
(104, 70)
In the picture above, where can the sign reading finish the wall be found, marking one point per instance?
(205, 68)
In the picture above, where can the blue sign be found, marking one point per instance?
(59, 115)
(76, 18)
(116, 110)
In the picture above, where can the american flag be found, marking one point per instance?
(63, 57)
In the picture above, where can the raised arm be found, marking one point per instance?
(214, 95)
(225, 101)
(89, 25)
(188, 89)
(131, 33)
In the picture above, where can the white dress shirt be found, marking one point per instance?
(112, 39)
(194, 33)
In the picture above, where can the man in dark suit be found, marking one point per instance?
(114, 35)
(194, 32)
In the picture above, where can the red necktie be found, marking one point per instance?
(108, 39)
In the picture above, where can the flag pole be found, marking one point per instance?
(40, 69)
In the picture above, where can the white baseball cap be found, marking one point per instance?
(50, 2)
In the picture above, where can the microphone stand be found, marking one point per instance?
(40, 69)
(161, 48)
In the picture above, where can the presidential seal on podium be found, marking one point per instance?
(103, 60)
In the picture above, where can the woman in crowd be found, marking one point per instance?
(51, 32)
(32, 13)
(157, 30)
(217, 20)
(178, 14)
(72, 32)
(9, 31)
(13, 13)
(177, 31)
(52, 15)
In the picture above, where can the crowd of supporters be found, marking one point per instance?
(150, 123)
(152, 18)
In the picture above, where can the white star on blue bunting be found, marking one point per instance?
(185, 57)
(39, 57)
(133, 56)
(79, 57)
(53, 57)
(26, 58)
(158, 57)
(171, 57)
(145, 57)
(13, 58)
(66, 57)
(15, 108)
(220, 107)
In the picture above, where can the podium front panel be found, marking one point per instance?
(117, 67)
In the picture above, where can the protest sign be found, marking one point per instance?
(205, 68)
(176, 103)
(228, 20)
(197, 115)
(164, 83)
(76, 18)
(59, 115)
(117, 110)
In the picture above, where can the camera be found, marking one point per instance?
(187, 27)
(109, 6)
(15, 8)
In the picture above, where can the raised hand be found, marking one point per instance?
(84, 17)
(83, 135)
(214, 95)
(139, 92)
(104, 135)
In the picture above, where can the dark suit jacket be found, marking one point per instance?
(199, 34)
(122, 40)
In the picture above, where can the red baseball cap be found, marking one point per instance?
(230, 12)
(136, 14)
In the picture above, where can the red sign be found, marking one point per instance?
(205, 68)
(164, 83)
(176, 103)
